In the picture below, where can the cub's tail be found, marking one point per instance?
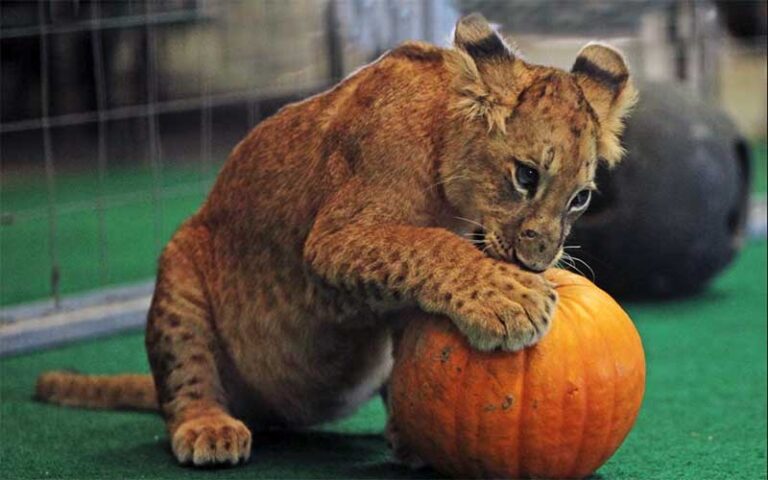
(135, 392)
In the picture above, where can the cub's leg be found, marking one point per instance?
(494, 304)
(182, 350)
(379, 253)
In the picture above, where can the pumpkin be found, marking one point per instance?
(557, 409)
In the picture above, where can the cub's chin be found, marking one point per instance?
(495, 247)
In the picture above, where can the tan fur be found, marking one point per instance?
(611, 104)
(276, 302)
(98, 391)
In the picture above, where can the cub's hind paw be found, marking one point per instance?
(209, 440)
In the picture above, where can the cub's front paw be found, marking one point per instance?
(508, 309)
(214, 439)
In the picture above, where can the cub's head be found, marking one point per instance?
(521, 158)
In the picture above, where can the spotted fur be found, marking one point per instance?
(276, 302)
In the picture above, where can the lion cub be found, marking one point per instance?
(437, 179)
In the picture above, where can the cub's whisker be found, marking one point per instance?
(586, 265)
(570, 260)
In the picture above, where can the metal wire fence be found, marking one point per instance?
(155, 92)
(116, 114)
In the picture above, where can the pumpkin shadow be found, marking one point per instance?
(283, 454)
(330, 454)
(391, 470)
(275, 454)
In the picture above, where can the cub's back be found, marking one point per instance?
(279, 176)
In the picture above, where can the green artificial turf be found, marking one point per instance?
(703, 417)
(135, 228)
(133, 240)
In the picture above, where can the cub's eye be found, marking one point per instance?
(581, 200)
(527, 178)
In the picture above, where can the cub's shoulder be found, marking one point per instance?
(417, 52)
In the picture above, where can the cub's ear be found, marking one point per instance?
(485, 92)
(479, 40)
(603, 76)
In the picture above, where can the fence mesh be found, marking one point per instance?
(115, 115)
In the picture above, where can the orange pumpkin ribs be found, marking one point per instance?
(558, 409)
